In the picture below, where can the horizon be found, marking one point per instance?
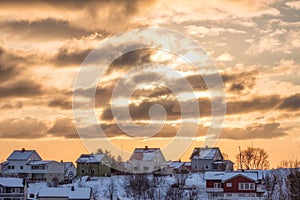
(51, 54)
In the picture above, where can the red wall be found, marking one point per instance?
(235, 185)
(210, 183)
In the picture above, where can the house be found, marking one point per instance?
(234, 185)
(93, 165)
(71, 193)
(69, 170)
(145, 160)
(46, 170)
(179, 167)
(11, 189)
(209, 159)
(16, 164)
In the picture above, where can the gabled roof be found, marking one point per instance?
(11, 182)
(225, 176)
(176, 164)
(67, 165)
(78, 193)
(22, 155)
(145, 154)
(207, 153)
(90, 158)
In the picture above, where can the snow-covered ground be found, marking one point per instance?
(102, 186)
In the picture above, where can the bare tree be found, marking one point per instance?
(289, 163)
(253, 158)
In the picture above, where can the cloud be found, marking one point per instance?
(131, 59)
(293, 4)
(259, 104)
(291, 103)
(60, 103)
(66, 57)
(202, 31)
(63, 127)
(17, 105)
(22, 128)
(9, 63)
(112, 15)
(225, 57)
(255, 131)
(43, 29)
(21, 88)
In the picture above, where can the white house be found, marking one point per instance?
(46, 170)
(209, 159)
(28, 164)
(146, 160)
(70, 170)
(11, 189)
(16, 164)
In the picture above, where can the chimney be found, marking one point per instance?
(23, 149)
(146, 147)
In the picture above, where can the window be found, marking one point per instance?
(15, 190)
(135, 168)
(228, 184)
(82, 170)
(246, 186)
(229, 194)
(146, 168)
(217, 185)
(21, 167)
(12, 167)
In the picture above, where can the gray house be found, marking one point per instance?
(209, 159)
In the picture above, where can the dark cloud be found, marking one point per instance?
(174, 109)
(291, 103)
(238, 82)
(66, 57)
(255, 131)
(63, 127)
(260, 103)
(45, 29)
(22, 128)
(131, 59)
(9, 63)
(22, 88)
(60, 103)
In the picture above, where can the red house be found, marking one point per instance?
(234, 185)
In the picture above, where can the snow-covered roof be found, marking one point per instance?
(145, 154)
(205, 153)
(22, 155)
(40, 162)
(176, 165)
(78, 193)
(67, 165)
(90, 158)
(11, 182)
(224, 176)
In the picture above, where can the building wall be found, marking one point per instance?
(52, 170)
(235, 188)
(92, 169)
(210, 183)
(201, 165)
(70, 170)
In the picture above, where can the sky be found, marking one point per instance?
(254, 45)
